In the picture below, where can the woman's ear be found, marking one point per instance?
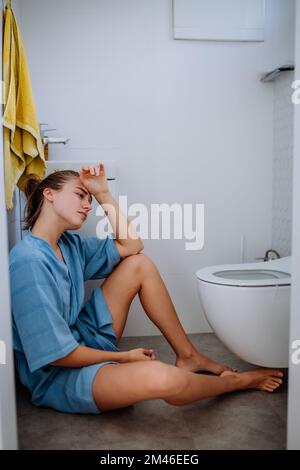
(48, 194)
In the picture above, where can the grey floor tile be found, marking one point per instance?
(242, 420)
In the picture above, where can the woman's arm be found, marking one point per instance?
(127, 240)
(84, 356)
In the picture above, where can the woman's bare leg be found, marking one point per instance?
(121, 385)
(138, 274)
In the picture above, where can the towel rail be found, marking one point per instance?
(270, 76)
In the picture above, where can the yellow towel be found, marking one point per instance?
(23, 148)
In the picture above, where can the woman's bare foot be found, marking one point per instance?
(267, 380)
(196, 362)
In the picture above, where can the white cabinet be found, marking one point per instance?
(219, 20)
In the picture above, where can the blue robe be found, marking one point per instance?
(50, 318)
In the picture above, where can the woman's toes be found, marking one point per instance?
(274, 372)
(273, 384)
(279, 373)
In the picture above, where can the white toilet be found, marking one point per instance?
(247, 306)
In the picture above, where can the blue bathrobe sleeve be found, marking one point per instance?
(36, 306)
(101, 256)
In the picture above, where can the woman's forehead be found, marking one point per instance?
(77, 183)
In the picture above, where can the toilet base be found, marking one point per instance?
(252, 322)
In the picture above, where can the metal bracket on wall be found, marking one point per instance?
(271, 76)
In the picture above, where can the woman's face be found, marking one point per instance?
(72, 203)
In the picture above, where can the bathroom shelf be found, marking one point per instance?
(271, 76)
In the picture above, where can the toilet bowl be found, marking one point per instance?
(247, 306)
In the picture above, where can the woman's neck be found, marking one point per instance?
(50, 234)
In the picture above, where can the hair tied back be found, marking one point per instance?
(32, 184)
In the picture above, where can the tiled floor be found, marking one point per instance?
(241, 420)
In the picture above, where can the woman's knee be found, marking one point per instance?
(140, 263)
(166, 380)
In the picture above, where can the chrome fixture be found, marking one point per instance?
(270, 76)
(51, 140)
(269, 255)
(44, 132)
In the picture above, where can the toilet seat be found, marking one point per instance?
(270, 273)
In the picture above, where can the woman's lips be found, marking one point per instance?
(84, 216)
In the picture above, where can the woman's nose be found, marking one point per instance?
(87, 205)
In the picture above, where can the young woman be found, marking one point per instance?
(66, 351)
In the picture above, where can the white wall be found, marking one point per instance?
(8, 434)
(294, 370)
(283, 164)
(185, 121)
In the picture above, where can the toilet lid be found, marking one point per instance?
(262, 274)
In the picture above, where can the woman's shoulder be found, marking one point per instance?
(24, 252)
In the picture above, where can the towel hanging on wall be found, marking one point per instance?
(23, 148)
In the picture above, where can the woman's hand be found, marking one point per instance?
(94, 179)
(140, 354)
